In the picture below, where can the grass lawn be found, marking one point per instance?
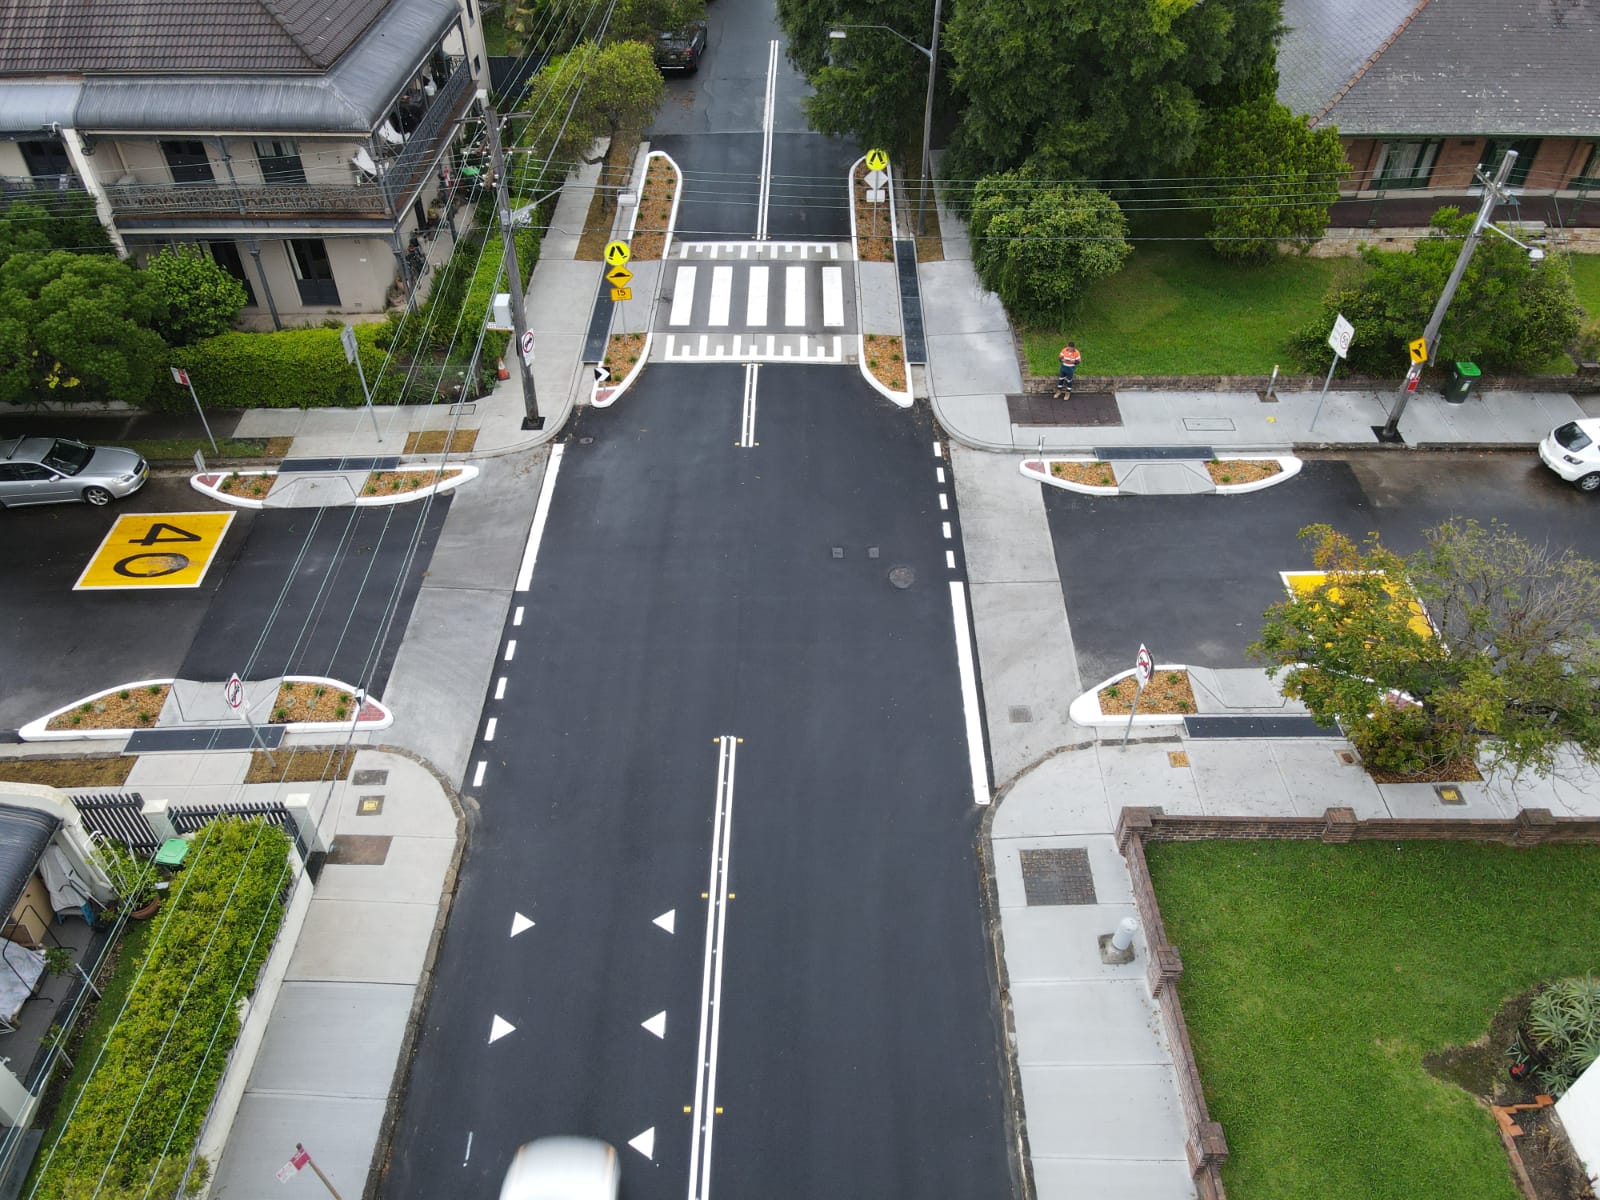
(182, 449)
(1177, 309)
(1316, 978)
(1586, 278)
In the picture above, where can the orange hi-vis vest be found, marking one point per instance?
(1070, 357)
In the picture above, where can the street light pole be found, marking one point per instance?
(931, 53)
(1493, 192)
(508, 240)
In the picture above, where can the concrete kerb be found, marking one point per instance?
(209, 484)
(906, 398)
(642, 172)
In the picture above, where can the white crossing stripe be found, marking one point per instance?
(682, 296)
(794, 298)
(721, 294)
(832, 296)
(756, 302)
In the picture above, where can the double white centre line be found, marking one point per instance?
(705, 1083)
(767, 121)
(747, 420)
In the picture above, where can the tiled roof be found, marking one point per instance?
(168, 36)
(1486, 67)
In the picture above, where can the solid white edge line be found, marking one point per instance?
(477, 774)
(716, 999)
(696, 1132)
(541, 514)
(969, 693)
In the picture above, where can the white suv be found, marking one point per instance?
(1572, 451)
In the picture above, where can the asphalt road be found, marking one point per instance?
(1191, 576)
(689, 591)
(324, 592)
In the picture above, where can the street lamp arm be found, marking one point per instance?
(1534, 253)
(837, 31)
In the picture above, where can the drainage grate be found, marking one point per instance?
(1057, 877)
(359, 850)
(369, 777)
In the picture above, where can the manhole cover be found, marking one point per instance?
(902, 577)
(1057, 877)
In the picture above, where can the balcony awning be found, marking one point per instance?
(24, 833)
(352, 97)
(29, 107)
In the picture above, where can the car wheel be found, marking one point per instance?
(1589, 482)
(96, 496)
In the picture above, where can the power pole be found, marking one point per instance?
(1493, 192)
(519, 316)
(927, 121)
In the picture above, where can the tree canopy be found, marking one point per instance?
(1508, 313)
(1506, 660)
(1100, 89)
(588, 93)
(199, 298)
(1281, 176)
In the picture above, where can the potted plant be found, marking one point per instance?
(134, 881)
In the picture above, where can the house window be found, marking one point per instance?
(1494, 150)
(188, 162)
(226, 256)
(313, 271)
(1406, 164)
(1589, 177)
(46, 158)
(280, 162)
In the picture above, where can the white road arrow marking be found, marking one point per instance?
(657, 1024)
(645, 1143)
(520, 924)
(667, 919)
(499, 1028)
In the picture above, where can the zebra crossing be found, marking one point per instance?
(756, 302)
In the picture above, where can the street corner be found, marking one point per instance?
(298, 704)
(1167, 698)
(629, 352)
(270, 488)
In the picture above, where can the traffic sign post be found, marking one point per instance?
(233, 693)
(299, 1161)
(1143, 667)
(347, 339)
(525, 343)
(181, 378)
(617, 254)
(1339, 342)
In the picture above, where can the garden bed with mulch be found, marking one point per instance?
(305, 701)
(433, 441)
(94, 771)
(655, 211)
(129, 708)
(874, 230)
(1091, 474)
(310, 764)
(395, 483)
(1225, 471)
(886, 360)
(252, 487)
(1462, 770)
(622, 352)
(1168, 692)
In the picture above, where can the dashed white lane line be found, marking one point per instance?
(500, 688)
(950, 559)
(511, 649)
(682, 296)
(466, 1158)
(944, 502)
(969, 693)
(490, 726)
(946, 527)
(938, 452)
(939, 474)
(516, 617)
(477, 774)
(541, 514)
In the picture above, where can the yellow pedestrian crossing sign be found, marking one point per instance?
(617, 253)
(1419, 350)
(621, 293)
(877, 160)
(619, 277)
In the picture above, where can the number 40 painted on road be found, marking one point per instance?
(156, 550)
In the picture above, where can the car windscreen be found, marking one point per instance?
(68, 457)
(1573, 437)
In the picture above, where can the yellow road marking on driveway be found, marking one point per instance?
(1303, 584)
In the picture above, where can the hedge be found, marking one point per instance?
(139, 1115)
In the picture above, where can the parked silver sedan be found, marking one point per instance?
(42, 470)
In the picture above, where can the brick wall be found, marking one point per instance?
(1205, 1145)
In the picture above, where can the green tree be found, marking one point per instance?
(1039, 245)
(1508, 666)
(1509, 313)
(77, 326)
(200, 298)
(1280, 178)
(54, 221)
(869, 86)
(588, 93)
(1100, 89)
(539, 25)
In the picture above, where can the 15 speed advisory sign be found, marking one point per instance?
(156, 550)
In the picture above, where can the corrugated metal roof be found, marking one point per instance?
(28, 108)
(352, 97)
(24, 833)
(179, 35)
(1518, 68)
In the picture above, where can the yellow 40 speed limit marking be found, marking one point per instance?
(156, 550)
